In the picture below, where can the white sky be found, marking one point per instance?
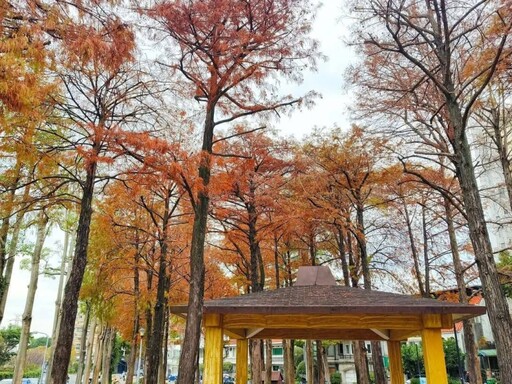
(46, 294)
(329, 111)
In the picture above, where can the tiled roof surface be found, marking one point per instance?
(325, 299)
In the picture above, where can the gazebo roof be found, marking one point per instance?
(318, 299)
(334, 311)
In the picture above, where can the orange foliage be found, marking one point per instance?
(229, 49)
(248, 192)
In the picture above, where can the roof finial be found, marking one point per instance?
(318, 275)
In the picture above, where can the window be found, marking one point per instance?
(368, 348)
(277, 351)
(347, 349)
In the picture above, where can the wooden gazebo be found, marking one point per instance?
(316, 308)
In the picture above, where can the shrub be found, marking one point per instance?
(336, 378)
(31, 372)
(6, 374)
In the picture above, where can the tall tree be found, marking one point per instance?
(430, 49)
(25, 93)
(251, 182)
(355, 167)
(42, 222)
(227, 51)
(101, 93)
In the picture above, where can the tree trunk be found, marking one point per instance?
(98, 355)
(110, 336)
(501, 140)
(327, 372)
(495, 301)
(91, 346)
(363, 376)
(289, 273)
(425, 250)
(4, 228)
(473, 361)
(414, 250)
(162, 374)
(149, 325)
(8, 204)
(354, 277)
(21, 356)
(156, 337)
(132, 357)
(8, 264)
(320, 362)
(276, 261)
(268, 361)
(190, 348)
(256, 361)
(309, 361)
(136, 321)
(64, 342)
(257, 266)
(58, 301)
(340, 241)
(83, 345)
(378, 363)
(289, 361)
(361, 241)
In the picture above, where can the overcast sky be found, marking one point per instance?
(329, 111)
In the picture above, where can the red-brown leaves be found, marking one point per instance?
(23, 61)
(108, 46)
(228, 46)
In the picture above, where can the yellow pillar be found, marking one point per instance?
(242, 356)
(433, 356)
(395, 362)
(213, 349)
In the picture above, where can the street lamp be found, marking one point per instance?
(141, 333)
(41, 381)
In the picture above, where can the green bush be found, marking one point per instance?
(6, 374)
(453, 380)
(491, 381)
(227, 367)
(301, 369)
(73, 367)
(34, 372)
(336, 378)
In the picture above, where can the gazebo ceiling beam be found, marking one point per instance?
(312, 321)
(253, 332)
(400, 334)
(324, 334)
(236, 333)
(382, 333)
(318, 334)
